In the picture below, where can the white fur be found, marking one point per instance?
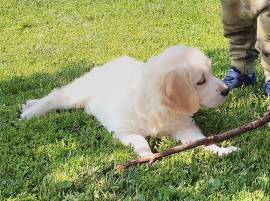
(136, 99)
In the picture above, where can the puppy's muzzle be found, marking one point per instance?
(225, 92)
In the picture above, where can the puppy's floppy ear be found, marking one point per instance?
(178, 94)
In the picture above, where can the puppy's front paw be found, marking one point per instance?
(227, 150)
(145, 154)
(220, 150)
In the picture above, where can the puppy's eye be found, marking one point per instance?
(201, 81)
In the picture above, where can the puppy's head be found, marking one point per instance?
(185, 82)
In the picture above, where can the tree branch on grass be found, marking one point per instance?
(205, 141)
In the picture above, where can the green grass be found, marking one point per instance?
(68, 155)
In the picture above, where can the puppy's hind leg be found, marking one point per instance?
(73, 95)
(29, 104)
(57, 99)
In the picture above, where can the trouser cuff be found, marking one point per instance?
(243, 66)
(266, 68)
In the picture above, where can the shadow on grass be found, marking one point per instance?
(69, 154)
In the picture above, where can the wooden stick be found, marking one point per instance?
(205, 141)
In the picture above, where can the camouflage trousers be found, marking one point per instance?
(246, 24)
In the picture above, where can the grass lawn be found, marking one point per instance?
(68, 155)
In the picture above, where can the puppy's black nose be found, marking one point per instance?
(225, 92)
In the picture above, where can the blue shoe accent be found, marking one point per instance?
(267, 88)
(234, 78)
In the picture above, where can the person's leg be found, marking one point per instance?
(239, 24)
(263, 43)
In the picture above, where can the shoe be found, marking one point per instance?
(234, 78)
(267, 88)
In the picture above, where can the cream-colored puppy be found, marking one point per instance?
(134, 99)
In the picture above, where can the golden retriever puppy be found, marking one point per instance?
(134, 99)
